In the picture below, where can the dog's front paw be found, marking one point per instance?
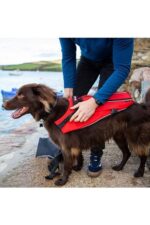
(51, 176)
(77, 168)
(117, 168)
(60, 182)
(139, 174)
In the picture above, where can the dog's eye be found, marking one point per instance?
(20, 96)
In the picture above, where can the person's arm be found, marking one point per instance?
(68, 48)
(122, 55)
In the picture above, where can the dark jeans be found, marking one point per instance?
(87, 73)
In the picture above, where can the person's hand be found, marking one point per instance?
(85, 110)
(68, 92)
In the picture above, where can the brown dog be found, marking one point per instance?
(130, 128)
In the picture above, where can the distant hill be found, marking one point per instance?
(35, 66)
(141, 57)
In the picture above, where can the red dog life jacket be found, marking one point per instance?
(118, 102)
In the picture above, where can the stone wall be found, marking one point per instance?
(141, 55)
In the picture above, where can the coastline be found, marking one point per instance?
(141, 58)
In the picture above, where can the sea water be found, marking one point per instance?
(7, 82)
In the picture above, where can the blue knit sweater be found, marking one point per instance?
(97, 49)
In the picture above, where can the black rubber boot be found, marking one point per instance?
(95, 166)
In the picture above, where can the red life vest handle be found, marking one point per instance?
(75, 100)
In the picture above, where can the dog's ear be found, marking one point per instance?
(44, 92)
(30, 92)
(45, 95)
(35, 90)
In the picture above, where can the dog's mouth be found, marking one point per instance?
(20, 112)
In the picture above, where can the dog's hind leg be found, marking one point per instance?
(67, 164)
(140, 171)
(120, 140)
(148, 162)
(79, 162)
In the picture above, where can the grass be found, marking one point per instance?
(34, 66)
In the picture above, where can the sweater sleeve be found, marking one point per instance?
(68, 48)
(122, 55)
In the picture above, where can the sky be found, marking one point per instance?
(20, 50)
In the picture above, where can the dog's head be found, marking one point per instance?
(36, 99)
